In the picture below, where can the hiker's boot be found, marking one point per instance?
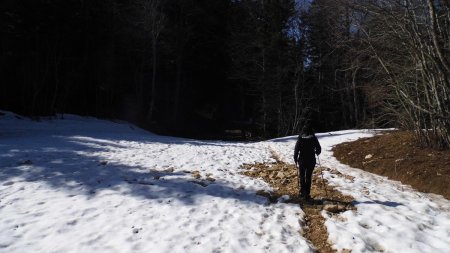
(301, 196)
(308, 199)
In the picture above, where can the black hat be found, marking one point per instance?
(307, 128)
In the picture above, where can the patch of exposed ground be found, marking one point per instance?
(158, 174)
(283, 179)
(396, 155)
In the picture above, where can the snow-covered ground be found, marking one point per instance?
(390, 217)
(88, 185)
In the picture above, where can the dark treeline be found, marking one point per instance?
(263, 67)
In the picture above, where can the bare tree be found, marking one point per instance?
(410, 40)
(153, 23)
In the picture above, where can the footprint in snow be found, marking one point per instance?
(26, 162)
(136, 230)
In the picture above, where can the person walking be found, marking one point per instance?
(306, 148)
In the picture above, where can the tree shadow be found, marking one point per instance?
(385, 203)
(318, 135)
(76, 168)
(160, 139)
(285, 139)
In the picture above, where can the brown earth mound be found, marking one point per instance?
(396, 155)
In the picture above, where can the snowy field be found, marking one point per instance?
(87, 185)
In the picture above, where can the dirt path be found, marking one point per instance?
(283, 178)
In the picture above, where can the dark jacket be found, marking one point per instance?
(305, 149)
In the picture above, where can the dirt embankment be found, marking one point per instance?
(395, 155)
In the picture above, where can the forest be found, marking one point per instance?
(215, 69)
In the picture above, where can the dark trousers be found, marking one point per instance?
(305, 171)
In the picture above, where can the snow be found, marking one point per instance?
(81, 184)
(84, 185)
(391, 217)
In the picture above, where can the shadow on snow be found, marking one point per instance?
(72, 166)
(378, 202)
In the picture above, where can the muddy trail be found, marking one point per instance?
(283, 179)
